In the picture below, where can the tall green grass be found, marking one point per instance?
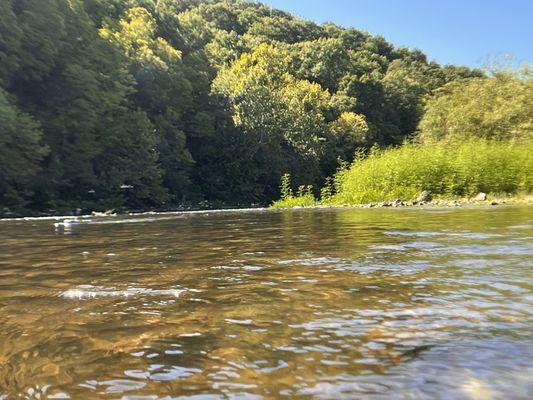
(447, 170)
(458, 169)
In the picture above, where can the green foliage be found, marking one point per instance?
(21, 151)
(491, 108)
(444, 169)
(144, 103)
(306, 200)
(328, 190)
(324, 61)
(285, 187)
(286, 116)
(42, 25)
(304, 196)
(350, 131)
(10, 43)
(136, 38)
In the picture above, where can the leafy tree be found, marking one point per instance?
(323, 61)
(21, 152)
(283, 29)
(351, 132)
(271, 104)
(284, 113)
(43, 32)
(405, 87)
(490, 108)
(10, 43)
(159, 74)
(127, 167)
(225, 48)
(136, 38)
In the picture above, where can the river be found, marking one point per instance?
(319, 303)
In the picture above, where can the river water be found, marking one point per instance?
(321, 303)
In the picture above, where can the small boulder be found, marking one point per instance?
(480, 196)
(106, 213)
(397, 203)
(425, 196)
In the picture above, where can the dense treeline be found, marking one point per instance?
(145, 103)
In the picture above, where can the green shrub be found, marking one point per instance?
(456, 169)
(303, 198)
(296, 201)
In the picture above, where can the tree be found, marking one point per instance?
(283, 29)
(323, 61)
(160, 78)
(43, 32)
(491, 108)
(351, 132)
(284, 115)
(270, 103)
(10, 43)
(21, 152)
(406, 86)
(136, 37)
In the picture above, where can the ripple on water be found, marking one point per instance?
(327, 304)
(470, 369)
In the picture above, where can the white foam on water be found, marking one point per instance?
(239, 321)
(92, 292)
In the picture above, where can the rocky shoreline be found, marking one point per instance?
(81, 212)
(426, 199)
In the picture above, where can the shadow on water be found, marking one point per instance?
(346, 303)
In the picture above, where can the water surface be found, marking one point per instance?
(346, 303)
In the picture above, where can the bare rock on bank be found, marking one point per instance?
(398, 203)
(425, 197)
(103, 214)
(480, 196)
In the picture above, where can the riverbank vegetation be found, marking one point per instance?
(156, 104)
(449, 171)
(475, 136)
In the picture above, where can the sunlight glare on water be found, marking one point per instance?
(326, 304)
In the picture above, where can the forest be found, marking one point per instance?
(161, 104)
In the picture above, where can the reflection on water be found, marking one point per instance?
(321, 304)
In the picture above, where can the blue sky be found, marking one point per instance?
(463, 32)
